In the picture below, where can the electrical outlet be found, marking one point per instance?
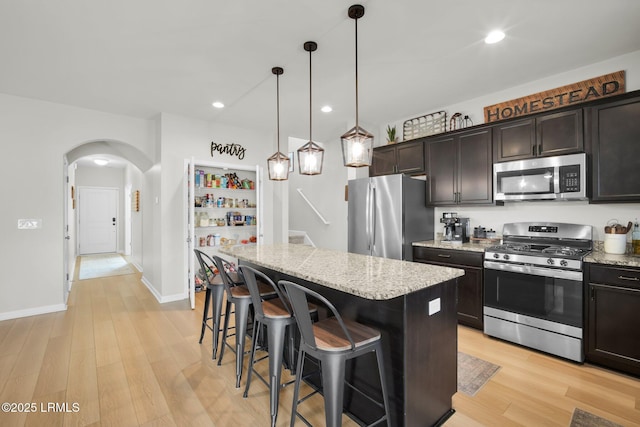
(434, 306)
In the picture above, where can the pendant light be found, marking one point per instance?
(279, 162)
(310, 155)
(357, 143)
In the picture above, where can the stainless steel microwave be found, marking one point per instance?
(542, 178)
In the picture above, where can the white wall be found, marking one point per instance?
(475, 107)
(326, 193)
(134, 178)
(34, 136)
(183, 138)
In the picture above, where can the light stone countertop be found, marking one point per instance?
(601, 257)
(443, 244)
(361, 275)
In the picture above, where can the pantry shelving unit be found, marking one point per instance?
(223, 208)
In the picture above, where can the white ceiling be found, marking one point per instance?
(143, 57)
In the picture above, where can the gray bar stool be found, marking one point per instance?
(214, 294)
(276, 315)
(239, 297)
(332, 342)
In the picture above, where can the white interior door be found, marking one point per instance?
(98, 220)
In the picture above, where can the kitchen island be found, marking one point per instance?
(413, 306)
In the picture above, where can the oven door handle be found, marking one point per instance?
(535, 271)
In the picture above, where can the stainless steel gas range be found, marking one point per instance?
(533, 286)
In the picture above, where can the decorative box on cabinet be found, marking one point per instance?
(612, 300)
(459, 168)
(470, 286)
(545, 135)
(403, 157)
(614, 132)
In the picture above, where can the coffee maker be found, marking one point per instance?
(456, 230)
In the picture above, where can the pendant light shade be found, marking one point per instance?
(279, 162)
(357, 143)
(310, 155)
(357, 147)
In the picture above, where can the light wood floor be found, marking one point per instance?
(124, 359)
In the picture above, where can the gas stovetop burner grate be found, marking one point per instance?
(561, 250)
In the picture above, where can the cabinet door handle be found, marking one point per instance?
(444, 256)
(539, 149)
(533, 150)
(633, 279)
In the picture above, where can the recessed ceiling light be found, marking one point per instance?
(494, 37)
(326, 109)
(100, 162)
(218, 104)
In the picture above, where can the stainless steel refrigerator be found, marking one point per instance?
(387, 214)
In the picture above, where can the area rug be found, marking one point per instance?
(582, 418)
(103, 265)
(473, 373)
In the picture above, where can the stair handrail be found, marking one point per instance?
(299, 190)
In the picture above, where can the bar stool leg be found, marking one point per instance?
(383, 382)
(254, 345)
(275, 334)
(225, 330)
(205, 312)
(296, 387)
(217, 295)
(242, 314)
(333, 368)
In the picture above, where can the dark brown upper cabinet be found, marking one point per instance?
(460, 169)
(614, 131)
(403, 157)
(546, 135)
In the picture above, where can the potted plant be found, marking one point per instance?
(391, 135)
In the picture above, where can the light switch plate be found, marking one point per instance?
(29, 224)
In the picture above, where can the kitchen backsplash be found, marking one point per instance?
(579, 212)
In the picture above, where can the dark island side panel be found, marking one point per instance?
(420, 351)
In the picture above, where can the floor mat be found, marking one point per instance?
(103, 265)
(583, 418)
(473, 373)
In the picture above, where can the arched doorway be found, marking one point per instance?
(110, 149)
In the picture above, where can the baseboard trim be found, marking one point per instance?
(32, 311)
(163, 299)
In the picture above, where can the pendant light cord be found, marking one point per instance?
(278, 109)
(310, 99)
(356, 72)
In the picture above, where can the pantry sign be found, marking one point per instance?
(229, 149)
(576, 93)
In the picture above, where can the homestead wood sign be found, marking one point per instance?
(576, 93)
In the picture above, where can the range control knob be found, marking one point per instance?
(550, 261)
(505, 257)
(564, 263)
(496, 256)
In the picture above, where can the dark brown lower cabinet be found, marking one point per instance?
(613, 317)
(470, 286)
